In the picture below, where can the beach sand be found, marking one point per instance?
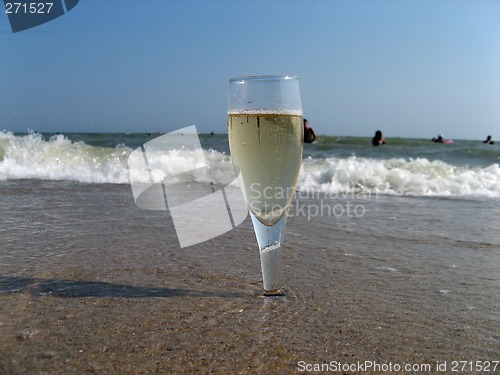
(89, 283)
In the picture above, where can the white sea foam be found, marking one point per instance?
(418, 177)
(32, 157)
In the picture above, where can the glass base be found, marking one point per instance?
(274, 293)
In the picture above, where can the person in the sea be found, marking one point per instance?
(309, 134)
(378, 139)
(439, 139)
(489, 140)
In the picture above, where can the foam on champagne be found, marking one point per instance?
(265, 112)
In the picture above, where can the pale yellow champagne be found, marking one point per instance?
(266, 149)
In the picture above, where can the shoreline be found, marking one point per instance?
(90, 283)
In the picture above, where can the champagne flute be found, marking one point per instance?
(266, 130)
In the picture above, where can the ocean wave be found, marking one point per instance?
(59, 159)
(416, 177)
(32, 157)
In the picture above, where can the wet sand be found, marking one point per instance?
(91, 284)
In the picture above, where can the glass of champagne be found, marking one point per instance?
(266, 130)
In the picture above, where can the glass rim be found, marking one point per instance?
(269, 77)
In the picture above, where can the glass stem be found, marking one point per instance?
(269, 239)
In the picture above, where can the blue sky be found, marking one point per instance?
(409, 68)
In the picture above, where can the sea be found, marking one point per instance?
(391, 255)
(402, 167)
